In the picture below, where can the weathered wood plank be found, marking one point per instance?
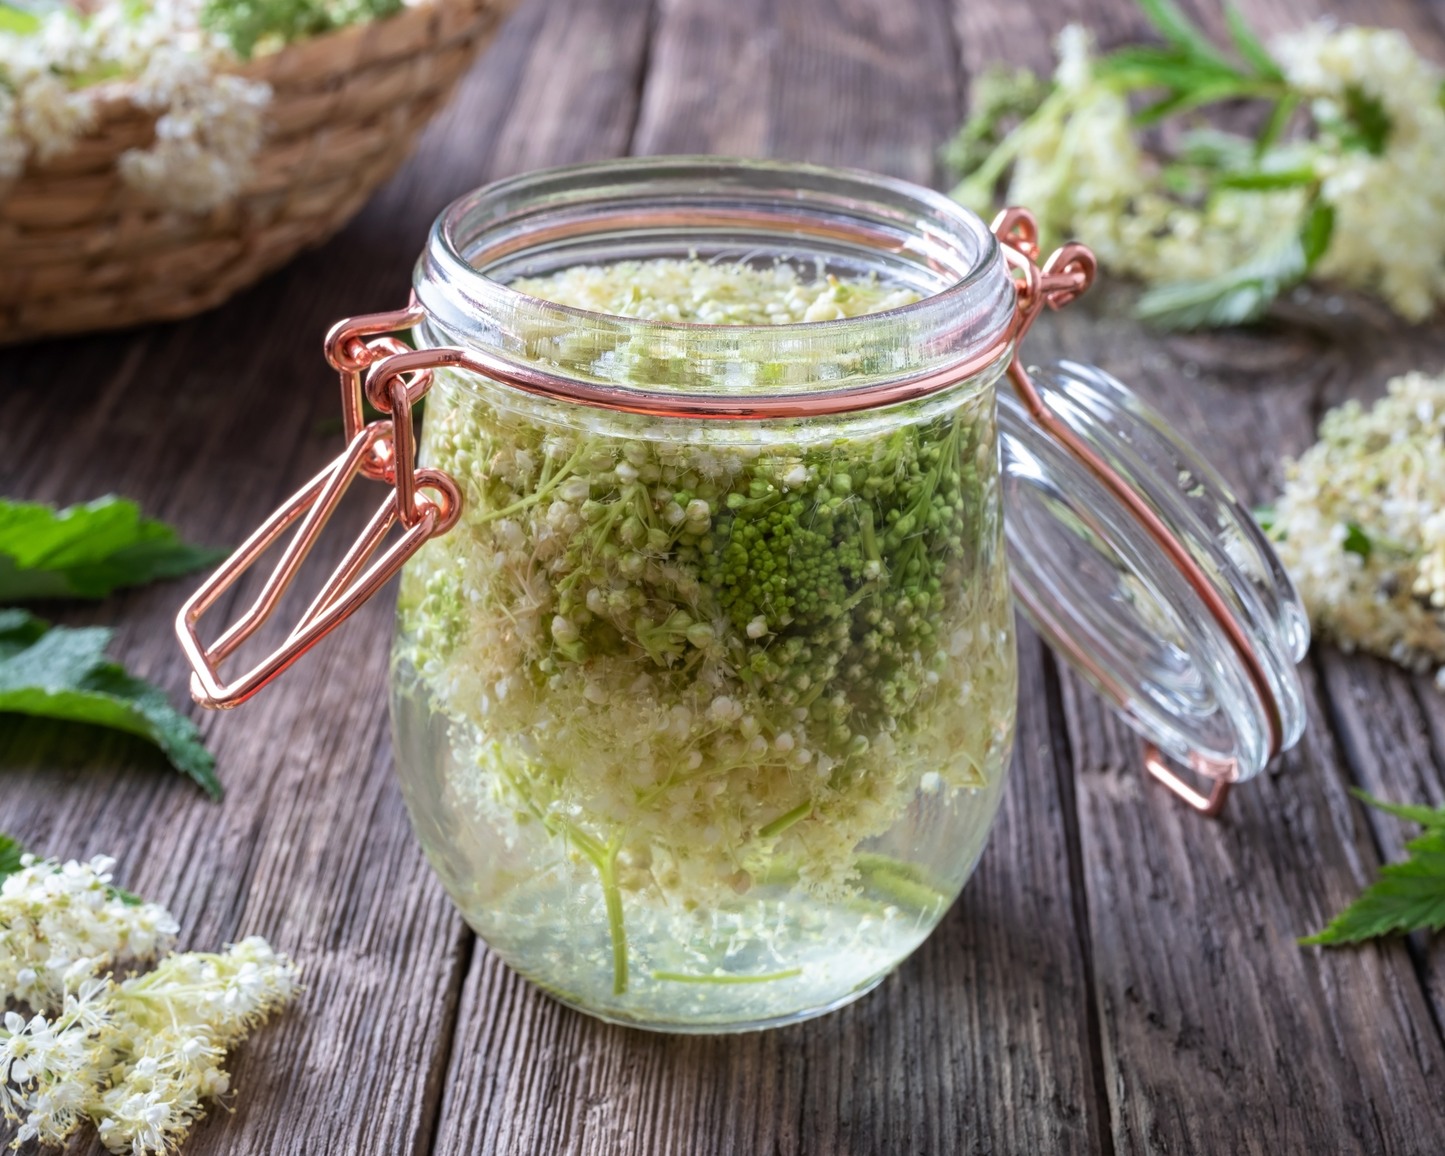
(1218, 1033)
(1390, 726)
(840, 83)
(1186, 918)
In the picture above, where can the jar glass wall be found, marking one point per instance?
(703, 722)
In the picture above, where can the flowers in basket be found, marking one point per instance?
(174, 58)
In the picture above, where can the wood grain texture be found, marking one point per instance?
(835, 82)
(1193, 923)
(1118, 976)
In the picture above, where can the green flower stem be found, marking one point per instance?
(542, 491)
(604, 859)
(901, 881)
(614, 924)
(783, 822)
(680, 977)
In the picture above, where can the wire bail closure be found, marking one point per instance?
(384, 450)
(393, 377)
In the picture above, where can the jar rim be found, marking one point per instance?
(960, 327)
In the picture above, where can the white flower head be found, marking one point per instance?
(209, 125)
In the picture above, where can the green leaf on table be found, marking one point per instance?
(87, 551)
(62, 673)
(1408, 895)
(11, 850)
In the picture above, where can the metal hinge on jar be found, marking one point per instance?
(384, 450)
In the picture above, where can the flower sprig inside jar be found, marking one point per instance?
(681, 674)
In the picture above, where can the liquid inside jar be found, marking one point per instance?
(703, 724)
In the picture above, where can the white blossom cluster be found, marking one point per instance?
(1361, 525)
(209, 126)
(1079, 165)
(713, 293)
(1389, 233)
(135, 1057)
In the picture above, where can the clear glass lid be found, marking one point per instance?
(1199, 660)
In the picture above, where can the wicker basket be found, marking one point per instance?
(79, 249)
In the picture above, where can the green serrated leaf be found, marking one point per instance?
(64, 674)
(1407, 896)
(1357, 541)
(87, 551)
(11, 849)
(1249, 46)
(1415, 812)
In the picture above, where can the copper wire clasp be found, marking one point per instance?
(396, 378)
(1068, 272)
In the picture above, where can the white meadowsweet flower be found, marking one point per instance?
(209, 125)
(1375, 158)
(51, 1067)
(1388, 194)
(60, 925)
(1359, 526)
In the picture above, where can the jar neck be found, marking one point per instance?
(843, 223)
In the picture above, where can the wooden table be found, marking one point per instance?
(1120, 976)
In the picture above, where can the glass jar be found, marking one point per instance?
(703, 723)
(704, 681)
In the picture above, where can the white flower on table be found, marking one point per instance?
(137, 1057)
